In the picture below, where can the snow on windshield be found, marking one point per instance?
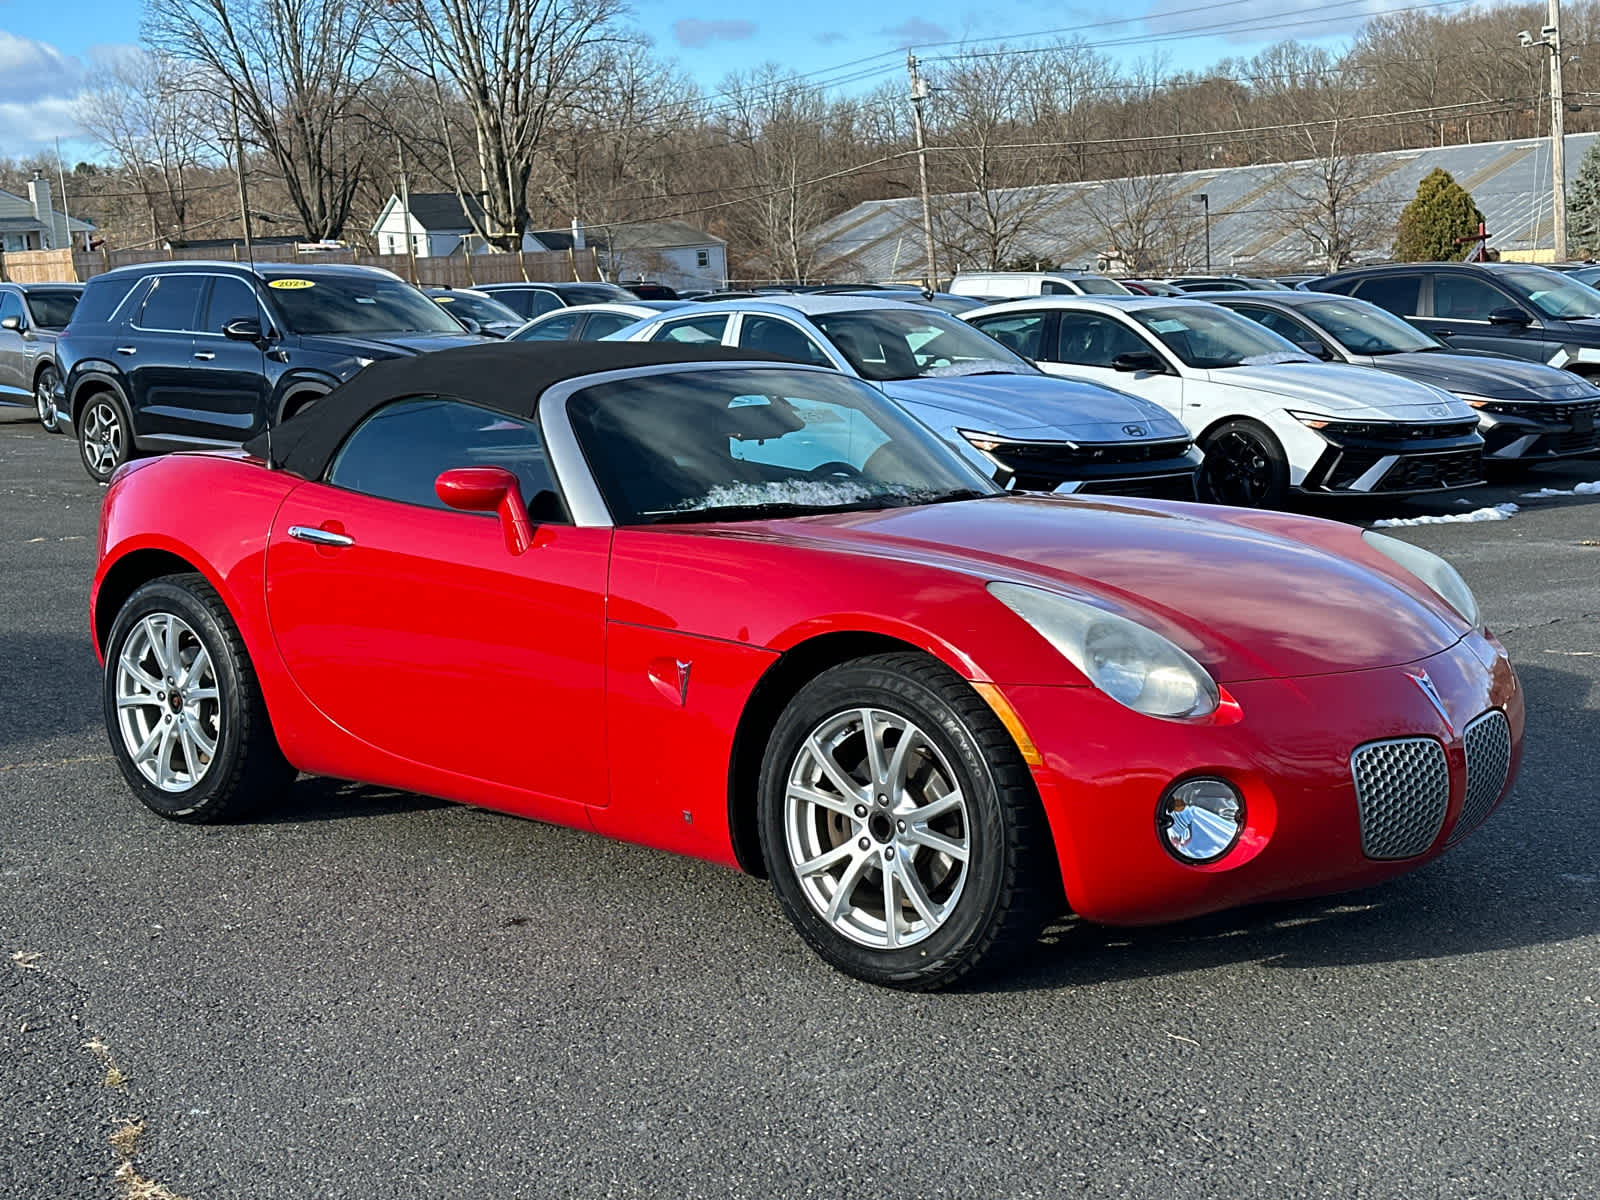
(1269, 360)
(812, 493)
(981, 366)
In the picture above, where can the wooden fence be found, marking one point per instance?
(555, 266)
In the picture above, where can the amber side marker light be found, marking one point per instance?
(1013, 723)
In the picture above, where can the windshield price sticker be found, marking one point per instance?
(290, 285)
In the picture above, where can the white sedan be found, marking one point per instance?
(591, 322)
(1269, 416)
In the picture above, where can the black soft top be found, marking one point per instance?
(507, 377)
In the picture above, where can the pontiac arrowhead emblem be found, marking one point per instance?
(683, 681)
(1424, 684)
(1133, 430)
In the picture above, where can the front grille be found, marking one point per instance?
(1566, 412)
(1042, 466)
(1177, 486)
(1352, 465)
(1402, 792)
(1488, 745)
(1426, 472)
(1394, 434)
(1575, 443)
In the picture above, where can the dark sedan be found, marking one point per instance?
(1527, 412)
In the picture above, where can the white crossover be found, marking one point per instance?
(1269, 416)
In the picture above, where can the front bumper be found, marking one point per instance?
(1396, 459)
(1161, 469)
(1535, 430)
(1289, 753)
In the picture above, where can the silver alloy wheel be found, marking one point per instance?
(44, 399)
(169, 704)
(877, 828)
(102, 436)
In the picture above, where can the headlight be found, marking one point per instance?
(1431, 569)
(1314, 420)
(1126, 661)
(364, 362)
(1484, 403)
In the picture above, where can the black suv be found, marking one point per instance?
(172, 355)
(1510, 308)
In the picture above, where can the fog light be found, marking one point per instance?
(1200, 819)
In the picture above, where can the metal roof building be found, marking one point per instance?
(1256, 213)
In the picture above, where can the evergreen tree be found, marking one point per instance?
(1583, 206)
(1430, 224)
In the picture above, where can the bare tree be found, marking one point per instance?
(514, 65)
(1148, 219)
(148, 111)
(293, 68)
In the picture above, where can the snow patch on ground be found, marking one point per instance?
(1583, 489)
(1500, 512)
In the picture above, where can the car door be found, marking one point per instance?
(774, 335)
(1024, 333)
(1460, 314)
(552, 329)
(157, 350)
(413, 627)
(228, 378)
(1087, 343)
(14, 381)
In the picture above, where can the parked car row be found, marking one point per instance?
(1242, 396)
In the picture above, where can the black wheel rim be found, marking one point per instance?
(1238, 470)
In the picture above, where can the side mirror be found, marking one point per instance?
(489, 489)
(1139, 360)
(243, 331)
(1315, 349)
(468, 324)
(14, 324)
(1510, 316)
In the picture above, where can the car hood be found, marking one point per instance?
(1343, 389)
(388, 345)
(1249, 594)
(1497, 378)
(1034, 406)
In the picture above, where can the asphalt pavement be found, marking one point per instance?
(369, 994)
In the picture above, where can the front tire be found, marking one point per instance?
(1244, 466)
(44, 399)
(900, 826)
(105, 436)
(187, 721)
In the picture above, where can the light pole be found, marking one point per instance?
(1550, 38)
(1205, 204)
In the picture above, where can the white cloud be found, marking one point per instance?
(39, 90)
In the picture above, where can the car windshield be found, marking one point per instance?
(1209, 338)
(907, 343)
(1100, 285)
(356, 304)
(596, 293)
(480, 308)
(1363, 328)
(52, 310)
(1552, 293)
(750, 443)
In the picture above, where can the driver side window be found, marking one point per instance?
(1090, 340)
(401, 449)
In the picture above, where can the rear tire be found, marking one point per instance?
(187, 721)
(1244, 466)
(916, 858)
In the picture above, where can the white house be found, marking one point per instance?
(439, 227)
(33, 223)
(671, 252)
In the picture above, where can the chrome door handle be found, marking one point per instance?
(319, 537)
(127, 349)
(204, 355)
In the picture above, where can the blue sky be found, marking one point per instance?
(48, 50)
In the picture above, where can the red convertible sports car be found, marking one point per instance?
(749, 610)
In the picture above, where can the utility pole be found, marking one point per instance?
(244, 195)
(1550, 38)
(1558, 132)
(919, 93)
(405, 209)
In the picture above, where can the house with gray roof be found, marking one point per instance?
(1258, 215)
(32, 222)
